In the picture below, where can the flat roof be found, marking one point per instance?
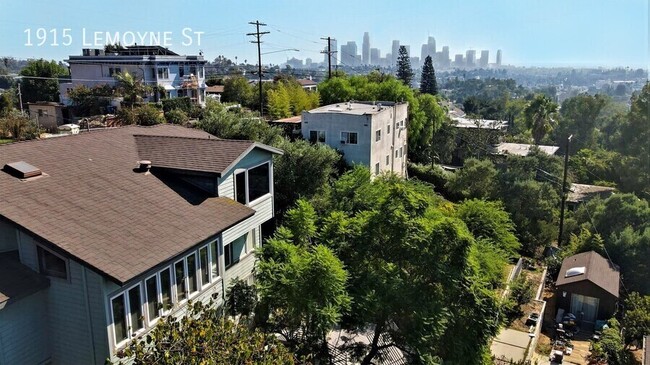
(522, 149)
(354, 108)
(583, 192)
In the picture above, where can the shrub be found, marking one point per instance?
(176, 116)
(521, 290)
(182, 103)
(149, 115)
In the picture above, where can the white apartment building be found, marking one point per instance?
(372, 134)
(155, 65)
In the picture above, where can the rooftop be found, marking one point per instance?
(354, 108)
(93, 206)
(595, 268)
(521, 149)
(583, 192)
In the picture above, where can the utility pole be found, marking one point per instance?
(259, 34)
(329, 54)
(20, 99)
(564, 189)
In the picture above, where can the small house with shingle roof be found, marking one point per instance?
(104, 232)
(588, 286)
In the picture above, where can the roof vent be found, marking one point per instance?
(143, 166)
(574, 271)
(22, 170)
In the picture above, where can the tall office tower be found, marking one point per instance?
(365, 49)
(499, 57)
(395, 53)
(308, 62)
(387, 61)
(429, 49)
(470, 58)
(445, 62)
(458, 61)
(408, 50)
(483, 61)
(349, 54)
(375, 56)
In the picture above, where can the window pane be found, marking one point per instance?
(377, 134)
(258, 182)
(51, 264)
(191, 273)
(353, 138)
(151, 288)
(119, 318)
(240, 187)
(313, 136)
(181, 292)
(203, 262)
(135, 309)
(214, 248)
(227, 254)
(321, 136)
(166, 288)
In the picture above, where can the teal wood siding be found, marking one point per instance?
(23, 338)
(253, 158)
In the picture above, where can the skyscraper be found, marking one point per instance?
(445, 61)
(394, 53)
(375, 56)
(499, 57)
(470, 58)
(349, 54)
(365, 49)
(483, 61)
(458, 61)
(428, 49)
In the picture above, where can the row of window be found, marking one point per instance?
(163, 72)
(346, 137)
(145, 302)
(156, 295)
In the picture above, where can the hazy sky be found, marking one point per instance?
(530, 32)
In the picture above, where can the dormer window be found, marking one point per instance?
(253, 183)
(51, 264)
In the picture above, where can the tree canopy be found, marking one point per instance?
(41, 80)
(404, 70)
(428, 83)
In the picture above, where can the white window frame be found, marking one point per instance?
(346, 139)
(164, 71)
(172, 290)
(200, 269)
(127, 316)
(153, 321)
(191, 295)
(175, 291)
(214, 257)
(247, 188)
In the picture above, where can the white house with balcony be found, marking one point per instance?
(372, 134)
(157, 66)
(97, 246)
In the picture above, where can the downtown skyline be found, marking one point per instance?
(530, 33)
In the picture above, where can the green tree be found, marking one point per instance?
(489, 222)
(203, 336)
(539, 115)
(302, 287)
(404, 70)
(581, 116)
(475, 180)
(241, 298)
(90, 101)
(236, 89)
(131, 87)
(6, 103)
(176, 116)
(428, 83)
(336, 90)
(40, 82)
(610, 347)
(221, 122)
(636, 318)
(18, 126)
(279, 102)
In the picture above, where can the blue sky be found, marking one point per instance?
(530, 32)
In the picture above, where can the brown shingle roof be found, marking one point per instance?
(93, 206)
(598, 270)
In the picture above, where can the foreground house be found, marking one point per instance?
(156, 66)
(588, 287)
(96, 247)
(368, 133)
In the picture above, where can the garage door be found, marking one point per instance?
(587, 306)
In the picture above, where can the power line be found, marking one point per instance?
(329, 53)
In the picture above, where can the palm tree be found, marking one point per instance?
(131, 87)
(539, 115)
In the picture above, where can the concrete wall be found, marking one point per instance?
(367, 151)
(23, 339)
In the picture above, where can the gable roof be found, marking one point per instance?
(597, 270)
(91, 205)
